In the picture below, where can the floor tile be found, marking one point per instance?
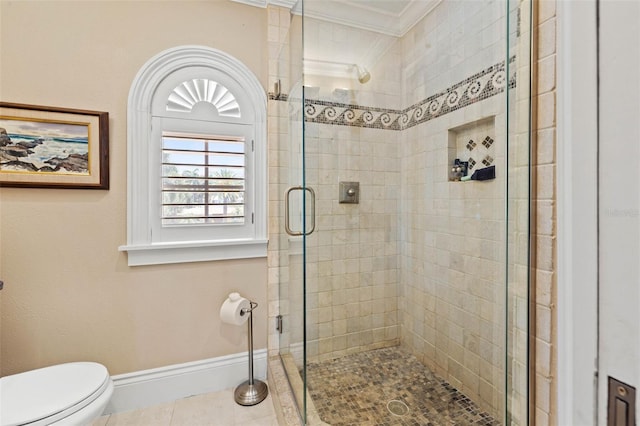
(100, 421)
(264, 421)
(215, 408)
(256, 412)
(211, 409)
(158, 415)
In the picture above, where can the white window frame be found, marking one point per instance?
(141, 247)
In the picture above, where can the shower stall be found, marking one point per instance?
(399, 158)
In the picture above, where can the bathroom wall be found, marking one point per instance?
(69, 294)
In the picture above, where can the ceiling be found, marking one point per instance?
(389, 17)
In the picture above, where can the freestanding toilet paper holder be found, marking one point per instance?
(252, 391)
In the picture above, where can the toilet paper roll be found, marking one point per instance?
(231, 309)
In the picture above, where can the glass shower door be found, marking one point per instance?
(290, 225)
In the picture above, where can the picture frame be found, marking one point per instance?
(52, 147)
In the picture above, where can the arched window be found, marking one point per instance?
(196, 159)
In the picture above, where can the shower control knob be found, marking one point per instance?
(349, 192)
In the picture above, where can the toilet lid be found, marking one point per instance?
(37, 394)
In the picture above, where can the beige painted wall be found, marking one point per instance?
(69, 294)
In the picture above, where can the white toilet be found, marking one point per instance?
(67, 394)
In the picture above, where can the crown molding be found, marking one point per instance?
(283, 3)
(369, 18)
(289, 4)
(358, 14)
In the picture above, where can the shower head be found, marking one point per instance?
(363, 74)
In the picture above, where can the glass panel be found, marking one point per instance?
(518, 214)
(285, 148)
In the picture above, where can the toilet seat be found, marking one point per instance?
(47, 395)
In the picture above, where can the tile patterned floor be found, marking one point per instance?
(356, 390)
(211, 409)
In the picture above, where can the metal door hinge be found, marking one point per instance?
(279, 323)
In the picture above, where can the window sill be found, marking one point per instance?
(200, 251)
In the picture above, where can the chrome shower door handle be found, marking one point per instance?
(287, 221)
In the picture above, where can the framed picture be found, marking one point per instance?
(50, 147)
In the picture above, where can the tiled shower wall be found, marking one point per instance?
(546, 216)
(352, 288)
(457, 39)
(420, 259)
(453, 242)
(452, 263)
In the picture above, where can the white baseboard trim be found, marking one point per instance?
(149, 387)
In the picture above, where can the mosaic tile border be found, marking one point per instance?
(352, 115)
(482, 85)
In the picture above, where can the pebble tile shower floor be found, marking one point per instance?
(357, 390)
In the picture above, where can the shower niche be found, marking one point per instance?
(472, 151)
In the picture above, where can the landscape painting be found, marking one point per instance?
(53, 147)
(41, 146)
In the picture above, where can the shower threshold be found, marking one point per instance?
(297, 385)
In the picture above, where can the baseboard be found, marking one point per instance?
(149, 387)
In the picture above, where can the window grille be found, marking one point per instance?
(203, 179)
